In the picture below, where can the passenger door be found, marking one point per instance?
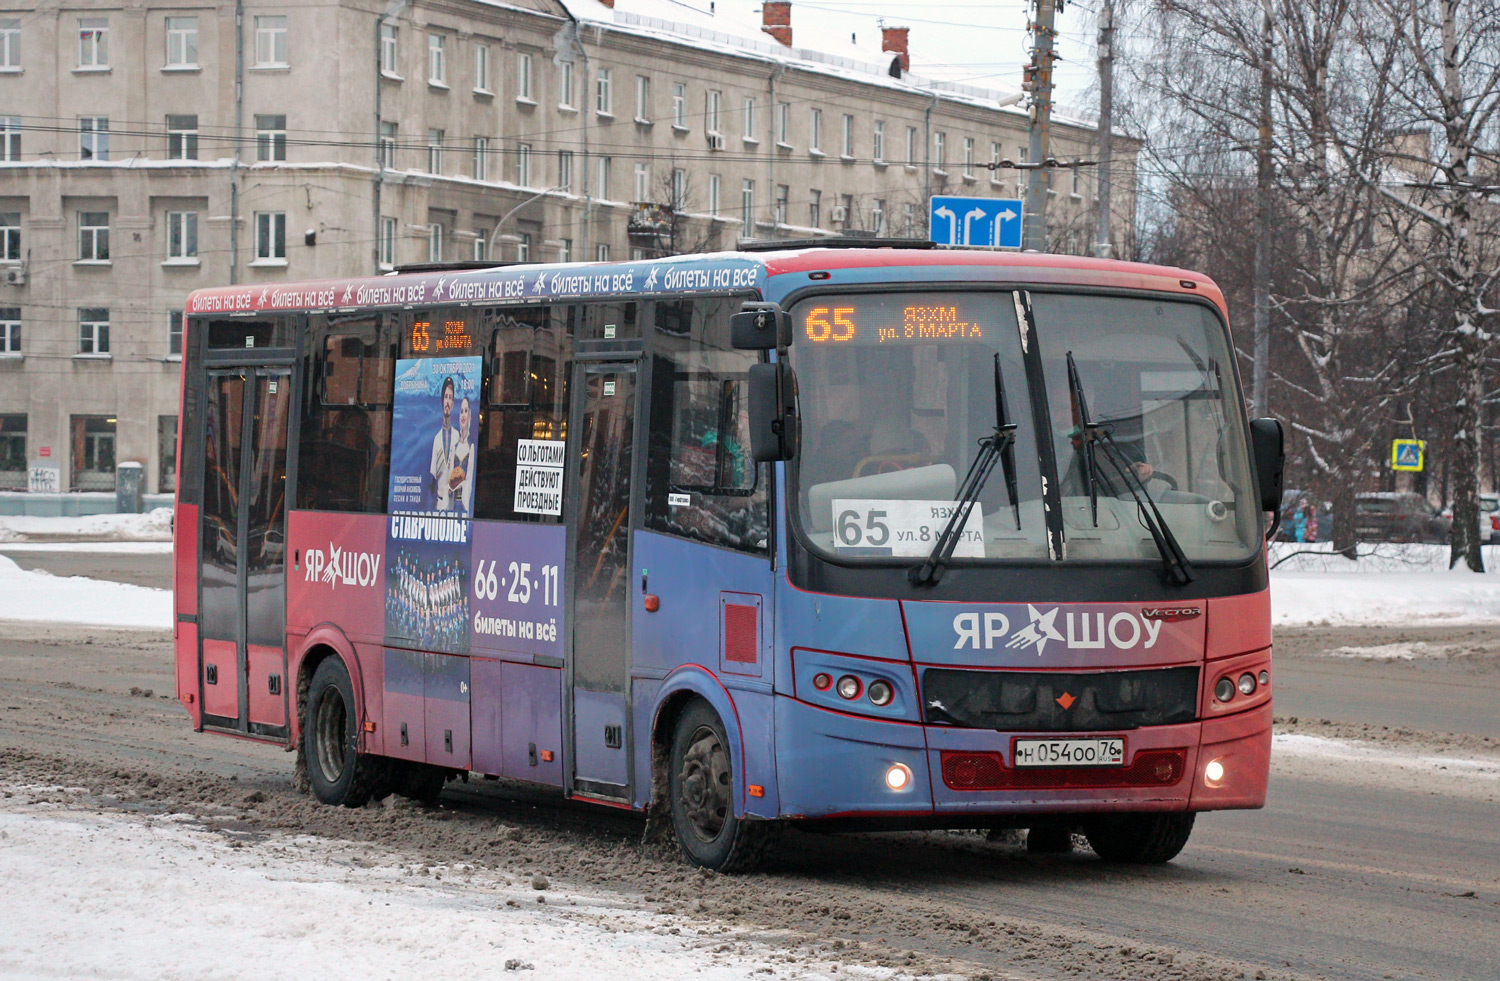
(600, 516)
(242, 610)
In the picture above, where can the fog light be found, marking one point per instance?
(1224, 690)
(1213, 773)
(849, 687)
(822, 681)
(1247, 683)
(1265, 677)
(881, 693)
(898, 777)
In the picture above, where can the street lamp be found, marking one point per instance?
(490, 244)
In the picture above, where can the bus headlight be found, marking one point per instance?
(898, 777)
(881, 693)
(1213, 774)
(1247, 683)
(1224, 690)
(850, 687)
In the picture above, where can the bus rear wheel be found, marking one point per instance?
(337, 771)
(701, 786)
(1141, 839)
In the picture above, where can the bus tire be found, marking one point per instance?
(1140, 839)
(336, 771)
(701, 786)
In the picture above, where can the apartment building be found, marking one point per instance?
(150, 149)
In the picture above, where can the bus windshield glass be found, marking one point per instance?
(897, 391)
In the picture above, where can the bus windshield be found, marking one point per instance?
(897, 390)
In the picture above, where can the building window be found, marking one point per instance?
(270, 42)
(908, 219)
(182, 42)
(603, 189)
(679, 189)
(523, 164)
(601, 252)
(388, 49)
(437, 65)
(166, 454)
(10, 45)
(969, 157)
(93, 236)
(711, 110)
(93, 456)
(1077, 189)
(387, 145)
(994, 163)
(679, 105)
(481, 158)
(783, 193)
(13, 451)
(642, 99)
(270, 235)
(565, 85)
(637, 253)
(846, 147)
(10, 330)
(603, 96)
(93, 330)
(481, 245)
(434, 151)
(93, 137)
(911, 146)
(435, 242)
(784, 124)
(565, 250)
(747, 205)
(10, 138)
(749, 111)
(182, 234)
(642, 182)
(482, 68)
(10, 236)
(713, 194)
(814, 208)
(523, 247)
(877, 217)
(877, 142)
(939, 150)
(93, 42)
(387, 241)
(815, 130)
(182, 137)
(565, 169)
(270, 138)
(523, 77)
(174, 333)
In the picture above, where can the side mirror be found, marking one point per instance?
(1266, 443)
(760, 327)
(773, 412)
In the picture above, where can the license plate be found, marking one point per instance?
(1070, 752)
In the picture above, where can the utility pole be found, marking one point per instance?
(1261, 292)
(1106, 128)
(1039, 76)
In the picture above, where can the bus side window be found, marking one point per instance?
(529, 357)
(345, 446)
(700, 480)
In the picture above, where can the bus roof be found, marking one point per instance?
(715, 272)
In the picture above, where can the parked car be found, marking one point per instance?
(1398, 516)
(1489, 518)
(1291, 500)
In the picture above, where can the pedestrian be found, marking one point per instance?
(1299, 522)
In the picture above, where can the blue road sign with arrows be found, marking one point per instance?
(975, 221)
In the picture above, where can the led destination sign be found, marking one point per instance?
(891, 319)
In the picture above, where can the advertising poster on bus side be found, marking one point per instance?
(434, 433)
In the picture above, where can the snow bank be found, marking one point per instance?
(153, 526)
(74, 599)
(1351, 751)
(1386, 584)
(110, 895)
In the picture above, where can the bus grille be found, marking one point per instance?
(987, 771)
(1036, 701)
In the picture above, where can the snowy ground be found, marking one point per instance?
(200, 898)
(153, 526)
(1387, 584)
(74, 599)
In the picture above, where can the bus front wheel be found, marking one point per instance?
(702, 784)
(337, 771)
(1142, 839)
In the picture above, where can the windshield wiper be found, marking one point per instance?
(1179, 567)
(1087, 430)
(994, 448)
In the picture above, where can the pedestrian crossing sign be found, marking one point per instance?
(1408, 454)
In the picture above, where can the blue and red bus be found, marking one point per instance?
(840, 537)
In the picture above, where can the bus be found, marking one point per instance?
(836, 538)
